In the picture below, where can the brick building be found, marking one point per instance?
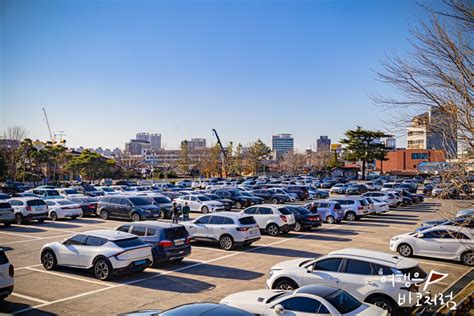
(403, 160)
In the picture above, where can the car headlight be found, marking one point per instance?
(395, 238)
(272, 272)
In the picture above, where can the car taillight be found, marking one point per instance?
(91, 205)
(165, 243)
(283, 218)
(11, 270)
(188, 241)
(242, 229)
(28, 208)
(313, 218)
(360, 207)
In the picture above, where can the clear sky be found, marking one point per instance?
(105, 70)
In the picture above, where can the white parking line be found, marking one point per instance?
(38, 238)
(70, 277)
(34, 299)
(32, 266)
(20, 235)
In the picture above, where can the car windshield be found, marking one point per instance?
(70, 191)
(213, 196)
(203, 198)
(90, 189)
(279, 295)
(301, 210)
(52, 193)
(343, 302)
(138, 201)
(162, 199)
(65, 202)
(107, 190)
(128, 189)
(129, 242)
(175, 233)
(247, 220)
(284, 211)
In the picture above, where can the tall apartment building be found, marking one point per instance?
(282, 144)
(137, 147)
(197, 143)
(154, 139)
(433, 130)
(323, 144)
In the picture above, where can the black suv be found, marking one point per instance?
(170, 241)
(271, 196)
(300, 190)
(136, 208)
(234, 195)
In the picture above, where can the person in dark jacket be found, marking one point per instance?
(186, 211)
(174, 213)
(313, 208)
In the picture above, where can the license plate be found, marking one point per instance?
(179, 242)
(140, 262)
(253, 231)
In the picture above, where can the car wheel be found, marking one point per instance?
(48, 259)
(274, 201)
(204, 209)
(386, 304)
(53, 216)
(273, 229)
(285, 284)
(238, 205)
(135, 217)
(226, 242)
(103, 269)
(351, 216)
(405, 250)
(330, 220)
(104, 214)
(19, 218)
(467, 258)
(298, 227)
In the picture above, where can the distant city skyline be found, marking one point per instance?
(249, 69)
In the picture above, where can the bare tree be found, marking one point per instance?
(12, 139)
(436, 78)
(129, 164)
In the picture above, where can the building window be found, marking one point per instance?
(420, 156)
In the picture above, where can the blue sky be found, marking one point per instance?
(105, 70)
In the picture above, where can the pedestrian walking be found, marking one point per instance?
(186, 211)
(313, 208)
(175, 213)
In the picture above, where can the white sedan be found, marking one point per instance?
(200, 203)
(445, 242)
(308, 300)
(62, 208)
(107, 252)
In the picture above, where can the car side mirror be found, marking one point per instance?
(420, 235)
(279, 309)
(310, 268)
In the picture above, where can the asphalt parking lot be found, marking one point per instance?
(208, 274)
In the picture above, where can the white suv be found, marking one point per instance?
(200, 203)
(229, 229)
(29, 208)
(6, 276)
(390, 199)
(272, 218)
(367, 275)
(106, 252)
(354, 207)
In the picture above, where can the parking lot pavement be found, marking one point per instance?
(208, 274)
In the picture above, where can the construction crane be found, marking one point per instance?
(53, 136)
(223, 154)
(49, 128)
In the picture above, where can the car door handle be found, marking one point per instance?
(371, 283)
